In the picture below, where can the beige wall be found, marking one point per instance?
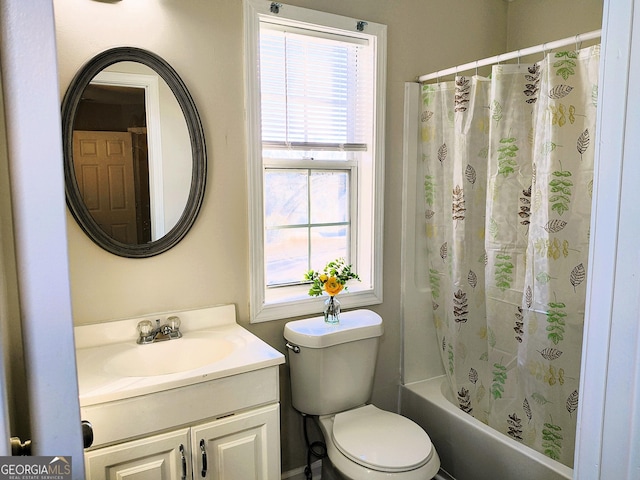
(533, 22)
(202, 40)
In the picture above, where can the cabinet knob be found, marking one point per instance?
(87, 433)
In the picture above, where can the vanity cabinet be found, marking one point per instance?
(236, 447)
(218, 415)
(235, 418)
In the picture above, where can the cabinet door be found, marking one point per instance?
(244, 446)
(160, 457)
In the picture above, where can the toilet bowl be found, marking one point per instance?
(370, 443)
(332, 369)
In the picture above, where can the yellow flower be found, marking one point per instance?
(333, 286)
(332, 279)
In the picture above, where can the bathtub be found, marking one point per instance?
(469, 449)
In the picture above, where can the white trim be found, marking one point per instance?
(407, 265)
(340, 37)
(260, 309)
(314, 306)
(298, 473)
(608, 436)
(34, 139)
(154, 138)
(254, 153)
(294, 16)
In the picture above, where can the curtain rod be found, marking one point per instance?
(511, 55)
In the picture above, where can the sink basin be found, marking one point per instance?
(171, 356)
(112, 367)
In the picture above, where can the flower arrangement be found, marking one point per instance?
(332, 279)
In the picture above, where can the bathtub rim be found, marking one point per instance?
(432, 390)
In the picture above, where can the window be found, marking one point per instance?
(315, 111)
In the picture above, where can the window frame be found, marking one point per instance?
(292, 301)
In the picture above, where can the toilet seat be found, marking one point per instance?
(380, 440)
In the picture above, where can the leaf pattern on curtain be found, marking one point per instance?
(507, 176)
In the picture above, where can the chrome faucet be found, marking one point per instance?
(148, 334)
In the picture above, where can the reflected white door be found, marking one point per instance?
(103, 163)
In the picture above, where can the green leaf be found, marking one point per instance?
(493, 228)
(499, 379)
(551, 443)
(566, 54)
(491, 338)
(429, 189)
(434, 281)
(555, 320)
(496, 111)
(451, 359)
(507, 153)
(560, 208)
(548, 147)
(539, 398)
(428, 93)
(543, 277)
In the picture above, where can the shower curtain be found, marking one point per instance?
(507, 175)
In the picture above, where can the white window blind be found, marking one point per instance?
(316, 90)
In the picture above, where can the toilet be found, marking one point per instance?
(332, 370)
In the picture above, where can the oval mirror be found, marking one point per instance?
(134, 153)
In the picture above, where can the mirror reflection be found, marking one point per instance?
(135, 160)
(131, 153)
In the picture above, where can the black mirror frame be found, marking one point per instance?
(196, 134)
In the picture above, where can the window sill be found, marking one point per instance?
(313, 306)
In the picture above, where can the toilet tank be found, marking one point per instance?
(332, 366)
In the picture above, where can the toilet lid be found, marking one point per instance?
(380, 440)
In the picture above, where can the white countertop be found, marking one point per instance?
(97, 344)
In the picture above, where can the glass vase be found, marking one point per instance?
(332, 310)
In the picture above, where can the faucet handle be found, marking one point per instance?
(174, 322)
(145, 327)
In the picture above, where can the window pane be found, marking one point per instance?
(328, 243)
(286, 255)
(329, 196)
(285, 197)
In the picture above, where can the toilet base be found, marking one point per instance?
(329, 472)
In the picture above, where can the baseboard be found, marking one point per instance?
(298, 473)
(442, 475)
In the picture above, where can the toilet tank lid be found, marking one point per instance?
(315, 333)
